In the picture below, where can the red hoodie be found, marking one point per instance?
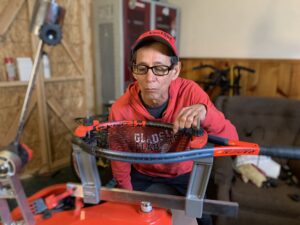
(182, 93)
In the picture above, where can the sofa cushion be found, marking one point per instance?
(223, 174)
(269, 121)
(273, 200)
(295, 168)
(293, 163)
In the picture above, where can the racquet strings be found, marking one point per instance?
(143, 139)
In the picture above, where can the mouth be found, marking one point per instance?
(150, 89)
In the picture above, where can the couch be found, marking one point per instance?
(270, 122)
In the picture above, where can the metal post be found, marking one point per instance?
(197, 187)
(4, 209)
(89, 175)
(29, 91)
(21, 199)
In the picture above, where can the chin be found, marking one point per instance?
(156, 102)
(152, 101)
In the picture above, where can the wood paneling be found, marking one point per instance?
(277, 78)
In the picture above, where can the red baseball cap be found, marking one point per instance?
(156, 35)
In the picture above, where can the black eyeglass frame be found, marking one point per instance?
(169, 68)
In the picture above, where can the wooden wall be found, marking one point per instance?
(276, 78)
(55, 102)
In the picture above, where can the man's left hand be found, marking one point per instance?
(190, 116)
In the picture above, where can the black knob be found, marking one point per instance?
(51, 34)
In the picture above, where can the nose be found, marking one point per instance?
(150, 76)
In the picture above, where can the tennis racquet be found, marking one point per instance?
(153, 142)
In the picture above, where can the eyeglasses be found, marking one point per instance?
(159, 70)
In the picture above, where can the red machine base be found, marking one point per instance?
(105, 213)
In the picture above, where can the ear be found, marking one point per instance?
(133, 75)
(176, 70)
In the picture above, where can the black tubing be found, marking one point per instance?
(217, 140)
(281, 152)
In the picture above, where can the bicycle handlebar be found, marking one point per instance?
(239, 68)
(217, 70)
(204, 66)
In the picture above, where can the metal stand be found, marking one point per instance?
(193, 203)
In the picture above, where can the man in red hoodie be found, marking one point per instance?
(160, 95)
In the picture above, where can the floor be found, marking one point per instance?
(33, 184)
(36, 183)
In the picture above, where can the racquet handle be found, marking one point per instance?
(276, 151)
(281, 152)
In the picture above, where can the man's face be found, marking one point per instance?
(155, 89)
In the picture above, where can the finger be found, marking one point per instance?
(193, 120)
(184, 119)
(175, 127)
(188, 118)
(201, 114)
(176, 124)
(196, 122)
(191, 115)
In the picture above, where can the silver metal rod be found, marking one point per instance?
(135, 197)
(21, 200)
(29, 91)
(4, 212)
(214, 207)
(5, 216)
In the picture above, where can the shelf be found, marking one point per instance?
(59, 79)
(13, 83)
(25, 83)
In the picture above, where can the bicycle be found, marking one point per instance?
(224, 81)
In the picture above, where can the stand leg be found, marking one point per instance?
(89, 175)
(21, 199)
(197, 187)
(15, 191)
(4, 210)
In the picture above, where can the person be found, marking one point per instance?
(159, 94)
